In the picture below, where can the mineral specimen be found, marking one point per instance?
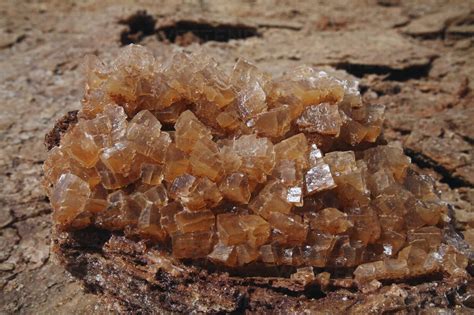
(244, 168)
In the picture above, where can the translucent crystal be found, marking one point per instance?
(272, 198)
(292, 228)
(229, 230)
(223, 254)
(250, 83)
(295, 196)
(315, 155)
(149, 225)
(69, 198)
(257, 155)
(332, 221)
(195, 193)
(322, 118)
(194, 221)
(145, 136)
(152, 174)
(205, 160)
(243, 168)
(118, 159)
(189, 130)
(192, 245)
(274, 123)
(294, 148)
(235, 187)
(176, 163)
(319, 178)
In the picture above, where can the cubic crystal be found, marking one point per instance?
(243, 168)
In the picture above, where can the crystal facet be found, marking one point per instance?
(248, 169)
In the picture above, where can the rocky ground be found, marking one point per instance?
(416, 57)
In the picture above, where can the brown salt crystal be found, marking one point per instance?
(315, 155)
(235, 187)
(267, 254)
(323, 279)
(319, 178)
(111, 180)
(321, 245)
(59, 163)
(157, 195)
(428, 238)
(347, 253)
(145, 136)
(453, 262)
(304, 275)
(353, 132)
(287, 172)
(149, 225)
(194, 221)
(341, 163)
(118, 159)
(81, 146)
(258, 230)
(247, 172)
(144, 125)
(118, 213)
(272, 198)
(294, 148)
(95, 205)
(169, 115)
(182, 186)
(250, 83)
(391, 241)
(322, 118)
(195, 193)
(192, 245)
(331, 220)
(69, 198)
(226, 255)
(274, 123)
(176, 163)
(379, 181)
(205, 160)
(295, 196)
(189, 130)
(257, 155)
(362, 218)
(152, 174)
(246, 254)
(290, 226)
(168, 213)
(311, 86)
(389, 157)
(228, 120)
(229, 230)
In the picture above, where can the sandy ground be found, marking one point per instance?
(416, 57)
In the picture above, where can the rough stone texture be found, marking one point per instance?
(42, 46)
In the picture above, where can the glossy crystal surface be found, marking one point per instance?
(242, 167)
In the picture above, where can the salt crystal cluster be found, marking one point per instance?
(244, 168)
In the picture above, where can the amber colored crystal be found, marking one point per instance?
(332, 221)
(242, 167)
(225, 255)
(322, 118)
(272, 198)
(235, 187)
(69, 198)
(292, 229)
(229, 229)
(319, 178)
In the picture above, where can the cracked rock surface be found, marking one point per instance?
(414, 58)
